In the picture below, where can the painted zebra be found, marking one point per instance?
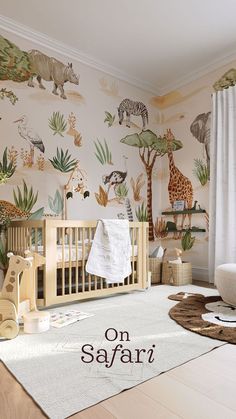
(129, 210)
(132, 108)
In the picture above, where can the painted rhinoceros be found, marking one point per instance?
(50, 69)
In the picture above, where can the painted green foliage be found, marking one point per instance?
(150, 146)
(103, 153)
(56, 203)
(57, 123)
(109, 118)
(7, 168)
(63, 162)
(201, 171)
(26, 199)
(15, 63)
(121, 191)
(141, 213)
(37, 215)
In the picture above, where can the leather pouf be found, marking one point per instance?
(225, 281)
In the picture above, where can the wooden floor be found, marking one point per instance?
(203, 388)
(200, 389)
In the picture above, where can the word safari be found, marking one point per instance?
(125, 355)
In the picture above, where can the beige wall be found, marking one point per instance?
(96, 93)
(88, 102)
(181, 108)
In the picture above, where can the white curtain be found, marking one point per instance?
(222, 214)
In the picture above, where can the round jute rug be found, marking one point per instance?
(207, 316)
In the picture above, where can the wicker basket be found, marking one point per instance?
(176, 273)
(155, 268)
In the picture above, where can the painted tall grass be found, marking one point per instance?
(63, 162)
(121, 191)
(7, 169)
(201, 171)
(103, 153)
(141, 212)
(109, 118)
(57, 123)
(25, 199)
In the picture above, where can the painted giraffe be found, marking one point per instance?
(179, 187)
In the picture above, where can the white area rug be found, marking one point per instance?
(49, 365)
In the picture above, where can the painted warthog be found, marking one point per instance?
(50, 69)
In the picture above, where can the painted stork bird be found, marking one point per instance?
(29, 134)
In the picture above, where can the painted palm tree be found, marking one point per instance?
(150, 146)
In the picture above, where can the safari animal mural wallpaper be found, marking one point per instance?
(129, 107)
(78, 143)
(201, 130)
(64, 158)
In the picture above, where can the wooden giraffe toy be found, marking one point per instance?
(179, 187)
(28, 287)
(9, 301)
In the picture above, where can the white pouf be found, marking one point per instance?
(225, 281)
(36, 321)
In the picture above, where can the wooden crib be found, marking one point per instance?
(65, 244)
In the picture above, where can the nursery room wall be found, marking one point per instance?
(85, 127)
(37, 126)
(187, 111)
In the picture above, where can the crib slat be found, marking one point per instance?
(132, 261)
(88, 247)
(70, 249)
(72, 277)
(29, 241)
(63, 259)
(83, 265)
(36, 240)
(76, 259)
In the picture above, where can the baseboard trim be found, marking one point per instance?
(200, 273)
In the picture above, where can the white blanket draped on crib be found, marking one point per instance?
(110, 254)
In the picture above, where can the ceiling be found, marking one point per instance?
(155, 44)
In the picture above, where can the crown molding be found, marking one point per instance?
(39, 38)
(202, 71)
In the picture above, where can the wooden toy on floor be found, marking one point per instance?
(9, 300)
(18, 297)
(34, 321)
(28, 286)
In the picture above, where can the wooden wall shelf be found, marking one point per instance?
(201, 211)
(198, 230)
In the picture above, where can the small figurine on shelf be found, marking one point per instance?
(200, 209)
(194, 206)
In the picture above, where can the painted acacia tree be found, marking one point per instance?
(150, 146)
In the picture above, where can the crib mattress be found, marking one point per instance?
(72, 253)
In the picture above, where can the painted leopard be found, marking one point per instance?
(10, 210)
